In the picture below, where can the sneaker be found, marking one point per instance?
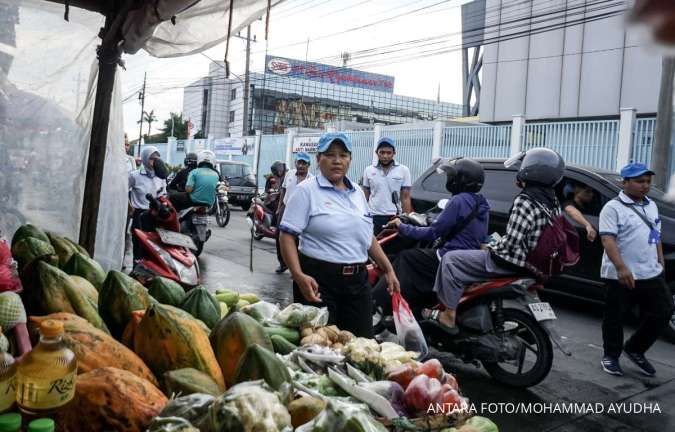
(611, 366)
(640, 361)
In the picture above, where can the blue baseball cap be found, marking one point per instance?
(327, 139)
(635, 169)
(302, 156)
(385, 142)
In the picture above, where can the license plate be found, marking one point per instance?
(176, 239)
(200, 220)
(542, 311)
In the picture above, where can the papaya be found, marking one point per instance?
(281, 345)
(58, 293)
(28, 230)
(224, 310)
(188, 381)
(111, 399)
(168, 338)
(202, 305)
(64, 249)
(249, 297)
(261, 363)
(95, 349)
(120, 295)
(81, 265)
(79, 248)
(231, 337)
(130, 330)
(228, 297)
(166, 291)
(290, 334)
(85, 287)
(31, 249)
(241, 303)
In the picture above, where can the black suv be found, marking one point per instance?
(582, 280)
(242, 182)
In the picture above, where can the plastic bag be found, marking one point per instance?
(408, 330)
(298, 315)
(262, 311)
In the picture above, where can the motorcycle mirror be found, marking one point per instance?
(514, 160)
(442, 203)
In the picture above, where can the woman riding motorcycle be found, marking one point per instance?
(463, 224)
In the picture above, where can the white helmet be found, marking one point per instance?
(206, 156)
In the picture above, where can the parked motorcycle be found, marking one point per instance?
(194, 222)
(166, 252)
(512, 341)
(221, 207)
(261, 215)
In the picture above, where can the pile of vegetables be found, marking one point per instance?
(160, 359)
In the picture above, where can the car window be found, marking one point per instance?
(565, 192)
(435, 182)
(500, 185)
(234, 170)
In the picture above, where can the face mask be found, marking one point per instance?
(161, 169)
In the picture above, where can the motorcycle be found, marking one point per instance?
(221, 207)
(261, 215)
(514, 344)
(194, 222)
(166, 252)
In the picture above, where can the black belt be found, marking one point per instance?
(333, 268)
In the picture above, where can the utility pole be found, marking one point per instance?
(141, 96)
(247, 80)
(664, 123)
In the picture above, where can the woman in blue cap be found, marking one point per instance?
(330, 215)
(292, 179)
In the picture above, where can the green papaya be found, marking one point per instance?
(250, 298)
(26, 251)
(64, 249)
(290, 334)
(86, 288)
(79, 248)
(60, 294)
(119, 296)
(201, 304)
(186, 381)
(166, 291)
(281, 345)
(82, 265)
(29, 230)
(260, 363)
(228, 297)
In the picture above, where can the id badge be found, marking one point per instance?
(654, 236)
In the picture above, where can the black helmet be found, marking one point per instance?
(190, 160)
(278, 168)
(540, 166)
(463, 175)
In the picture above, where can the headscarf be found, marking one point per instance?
(145, 158)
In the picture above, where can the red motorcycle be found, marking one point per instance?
(512, 343)
(166, 252)
(261, 214)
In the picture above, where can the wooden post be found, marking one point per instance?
(107, 65)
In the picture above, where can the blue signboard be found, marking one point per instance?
(329, 74)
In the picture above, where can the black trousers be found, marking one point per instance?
(379, 221)
(276, 222)
(656, 307)
(347, 297)
(180, 200)
(416, 271)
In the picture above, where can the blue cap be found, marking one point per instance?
(635, 169)
(385, 142)
(327, 139)
(302, 156)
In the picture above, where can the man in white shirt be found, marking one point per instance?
(292, 179)
(130, 161)
(385, 180)
(632, 268)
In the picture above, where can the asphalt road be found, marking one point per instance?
(576, 396)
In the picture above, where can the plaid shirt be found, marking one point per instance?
(526, 222)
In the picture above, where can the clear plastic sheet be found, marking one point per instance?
(47, 89)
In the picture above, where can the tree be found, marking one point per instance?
(150, 118)
(199, 135)
(179, 126)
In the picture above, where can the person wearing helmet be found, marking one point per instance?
(463, 224)
(278, 170)
(330, 216)
(179, 181)
(540, 169)
(200, 188)
(292, 179)
(387, 185)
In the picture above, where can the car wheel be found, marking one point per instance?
(669, 332)
(246, 206)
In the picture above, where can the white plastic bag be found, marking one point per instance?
(409, 333)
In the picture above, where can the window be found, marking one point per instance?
(232, 116)
(231, 170)
(233, 94)
(435, 182)
(500, 185)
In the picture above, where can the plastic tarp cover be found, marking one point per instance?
(197, 28)
(47, 90)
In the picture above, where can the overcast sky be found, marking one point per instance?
(293, 22)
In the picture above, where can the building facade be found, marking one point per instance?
(299, 94)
